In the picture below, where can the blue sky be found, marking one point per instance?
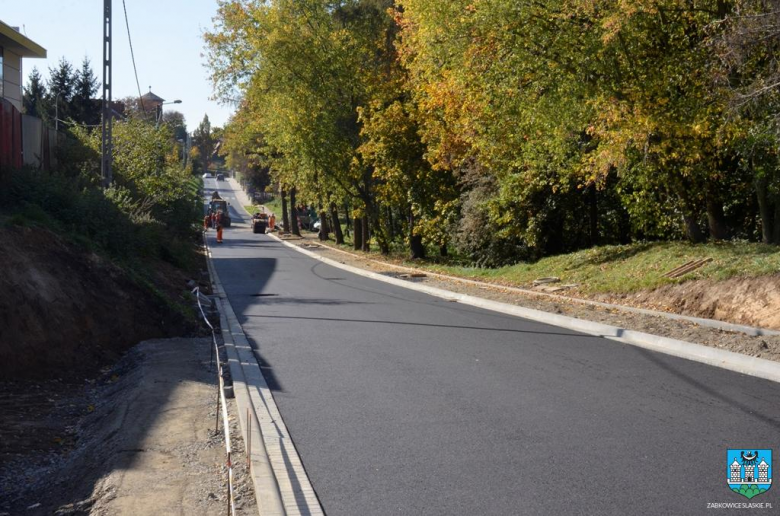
(166, 38)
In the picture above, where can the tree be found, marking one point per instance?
(510, 130)
(62, 86)
(85, 108)
(303, 68)
(203, 139)
(175, 120)
(35, 95)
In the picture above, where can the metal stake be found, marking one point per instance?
(217, 427)
(248, 439)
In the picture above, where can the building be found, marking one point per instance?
(23, 139)
(14, 46)
(151, 102)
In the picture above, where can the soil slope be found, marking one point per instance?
(749, 301)
(65, 311)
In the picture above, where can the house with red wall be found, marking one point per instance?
(14, 47)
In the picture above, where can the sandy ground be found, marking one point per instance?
(139, 440)
(763, 347)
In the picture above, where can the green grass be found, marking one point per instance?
(633, 267)
(274, 206)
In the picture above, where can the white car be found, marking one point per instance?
(206, 175)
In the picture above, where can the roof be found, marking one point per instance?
(152, 97)
(18, 43)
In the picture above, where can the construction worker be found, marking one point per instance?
(219, 227)
(271, 222)
(206, 221)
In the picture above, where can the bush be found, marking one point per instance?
(111, 220)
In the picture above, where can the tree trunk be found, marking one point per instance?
(764, 211)
(716, 220)
(324, 229)
(285, 213)
(390, 227)
(379, 233)
(296, 230)
(443, 250)
(334, 216)
(692, 229)
(776, 228)
(594, 215)
(358, 240)
(416, 247)
(366, 234)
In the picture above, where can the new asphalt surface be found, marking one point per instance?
(402, 403)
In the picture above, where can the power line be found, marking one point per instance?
(132, 56)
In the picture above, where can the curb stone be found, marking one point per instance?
(282, 486)
(267, 493)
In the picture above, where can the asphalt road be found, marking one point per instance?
(402, 403)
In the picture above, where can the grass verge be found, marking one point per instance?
(633, 267)
(614, 269)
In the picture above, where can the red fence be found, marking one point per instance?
(25, 140)
(10, 135)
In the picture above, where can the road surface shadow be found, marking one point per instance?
(268, 299)
(429, 325)
(747, 410)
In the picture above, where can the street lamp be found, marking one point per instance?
(184, 144)
(57, 112)
(159, 108)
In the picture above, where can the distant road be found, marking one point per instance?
(402, 403)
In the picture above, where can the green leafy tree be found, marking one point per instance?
(175, 120)
(203, 139)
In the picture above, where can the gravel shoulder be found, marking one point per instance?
(766, 347)
(138, 440)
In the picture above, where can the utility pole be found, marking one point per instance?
(106, 148)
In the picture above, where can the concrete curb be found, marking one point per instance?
(267, 493)
(752, 366)
(281, 484)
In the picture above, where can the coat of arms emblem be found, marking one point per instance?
(749, 471)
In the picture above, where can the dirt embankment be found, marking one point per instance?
(749, 301)
(64, 311)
